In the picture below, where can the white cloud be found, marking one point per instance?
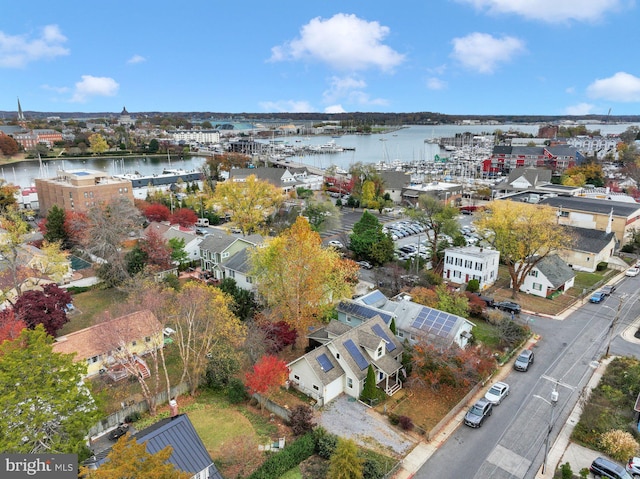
(16, 51)
(94, 86)
(57, 89)
(340, 87)
(344, 42)
(570, 90)
(286, 106)
(621, 87)
(482, 52)
(550, 11)
(579, 109)
(335, 109)
(436, 84)
(136, 59)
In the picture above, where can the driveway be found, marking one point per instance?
(348, 418)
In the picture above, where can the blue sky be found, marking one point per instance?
(537, 57)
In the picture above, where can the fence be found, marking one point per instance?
(276, 409)
(140, 407)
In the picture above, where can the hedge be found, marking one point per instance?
(292, 455)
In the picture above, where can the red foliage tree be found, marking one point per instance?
(184, 217)
(76, 224)
(8, 146)
(10, 326)
(476, 305)
(157, 212)
(267, 375)
(157, 250)
(279, 335)
(46, 307)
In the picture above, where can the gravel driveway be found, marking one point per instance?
(351, 419)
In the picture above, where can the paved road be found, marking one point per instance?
(511, 444)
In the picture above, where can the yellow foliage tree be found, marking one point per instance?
(298, 278)
(250, 202)
(98, 144)
(524, 234)
(130, 459)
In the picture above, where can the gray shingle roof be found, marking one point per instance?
(239, 262)
(555, 270)
(588, 240)
(593, 205)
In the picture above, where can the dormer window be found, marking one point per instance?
(379, 353)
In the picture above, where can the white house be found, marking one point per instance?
(191, 240)
(549, 276)
(414, 322)
(340, 362)
(463, 264)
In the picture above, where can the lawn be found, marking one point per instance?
(88, 305)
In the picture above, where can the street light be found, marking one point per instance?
(552, 403)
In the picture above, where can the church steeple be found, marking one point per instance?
(21, 119)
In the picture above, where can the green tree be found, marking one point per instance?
(393, 327)
(130, 459)
(46, 407)
(178, 253)
(369, 391)
(345, 463)
(154, 146)
(369, 242)
(452, 302)
(54, 226)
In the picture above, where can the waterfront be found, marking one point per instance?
(405, 144)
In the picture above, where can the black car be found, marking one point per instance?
(608, 289)
(508, 306)
(486, 299)
(119, 431)
(478, 413)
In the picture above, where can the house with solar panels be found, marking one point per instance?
(341, 358)
(414, 322)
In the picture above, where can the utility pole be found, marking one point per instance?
(553, 401)
(613, 323)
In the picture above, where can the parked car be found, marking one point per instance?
(497, 393)
(524, 360)
(486, 299)
(335, 244)
(602, 467)
(632, 272)
(597, 297)
(478, 413)
(364, 264)
(508, 306)
(608, 289)
(119, 431)
(633, 466)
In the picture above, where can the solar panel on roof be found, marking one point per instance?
(356, 354)
(362, 311)
(434, 321)
(374, 297)
(325, 363)
(380, 332)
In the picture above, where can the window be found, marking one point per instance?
(93, 360)
(348, 319)
(337, 355)
(412, 337)
(316, 387)
(379, 352)
(400, 333)
(534, 273)
(537, 286)
(133, 343)
(232, 274)
(296, 377)
(225, 255)
(249, 279)
(86, 194)
(147, 339)
(350, 383)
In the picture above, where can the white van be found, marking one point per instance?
(202, 222)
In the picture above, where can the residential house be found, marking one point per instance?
(550, 275)
(520, 179)
(217, 253)
(394, 182)
(340, 361)
(448, 193)
(191, 240)
(414, 322)
(589, 247)
(280, 177)
(307, 179)
(188, 453)
(99, 345)
(463, 264)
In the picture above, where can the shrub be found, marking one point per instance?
(133, 417)
(473, 286)
(620, 445)
(565, 471)
(394, 419)
(602, 265)
(405, 423)
(236, 391)
(372, 469)
(292, 455)
(325, 442)
(301, 419)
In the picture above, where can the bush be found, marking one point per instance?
(405, 423)
(292, 455)
(78, 289)
(565, 471)
(394, 419)
(133, 417)
(473, 286)
(236, 391)
(301, 419)
(372, 469)
(602, 265)
(325, 442)
(620, 445)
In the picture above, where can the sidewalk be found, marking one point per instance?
(424, 450)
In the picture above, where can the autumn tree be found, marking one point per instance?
(158, 253)
(203, 320)
(524, 235)
(345, 462)
(266, 377)
(46, 407)
(580, 175)
(130, 459)
(298, 278)
(157, 212)
(279, 335)
(98, 144)
(369, 242)
(7, 196)
(250, 202)
(438, 219)
(184, 217)
(109, 226)
(8, 146)
(47, 307)
(10, 325)
(451, 301)
(220, 163)
(76, 224)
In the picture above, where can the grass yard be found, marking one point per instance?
(88, 305)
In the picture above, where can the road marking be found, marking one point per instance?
(505, 459)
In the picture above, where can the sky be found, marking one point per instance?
(458, 57)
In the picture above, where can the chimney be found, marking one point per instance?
(173, 407)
